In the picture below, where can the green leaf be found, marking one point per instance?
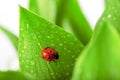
(65, 13)
(101, 58)
(44, 8)
(111, 14)
(71, 17)
(37, 34)
(11, 36)
(15, 75)
(112, 4)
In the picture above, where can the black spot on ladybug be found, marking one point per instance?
(50, 51)
(48, 57)
(56, 56)
(49, 54)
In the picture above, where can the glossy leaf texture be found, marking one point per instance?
(64, 13)
(101, 58)
(111, 13)
(37, 34)
(15, 75)
(11, 36)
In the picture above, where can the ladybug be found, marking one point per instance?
(49, 54)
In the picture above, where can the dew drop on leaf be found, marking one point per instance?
(109, 15)
(27, 26)
(48, 37)
(52, 74)
(32, 62)
(60, 44)
(22, 51)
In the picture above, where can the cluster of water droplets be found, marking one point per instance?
(54, 37)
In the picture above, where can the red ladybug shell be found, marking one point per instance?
(49, 54)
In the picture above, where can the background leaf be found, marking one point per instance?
(100, 60)
(44, 8)
(64, 13)
(11, 36)
(71, 17)
(36, 34)
(111, 14)
(14, 75)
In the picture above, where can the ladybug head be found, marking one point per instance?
(56, 56)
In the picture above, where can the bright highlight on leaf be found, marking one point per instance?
(101, 58)
(36, 34)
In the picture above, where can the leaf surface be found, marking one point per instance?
(101, 58)
(37, 34)
(15, 75)
(64, 13)
(11, 36)
(111, 14)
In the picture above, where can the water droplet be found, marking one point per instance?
(52, 44)
(68, 35)
(27, 26)
(73, 56)
(56, 32)
(67, 74)
(32, 34)
(31, 71)
(21, 29)
(22, 51)
(60, 44)
(32, 62)
(48, 37)
(53, 77)
(56, 73)
(24, 47)
(26, 66)
(64, 48)
(109, 15)
(103, 18)
(20, 55)
(22, 61)
(39, 44)
(112, 7)
(52, 74)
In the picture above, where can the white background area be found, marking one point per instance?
(9, 18)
